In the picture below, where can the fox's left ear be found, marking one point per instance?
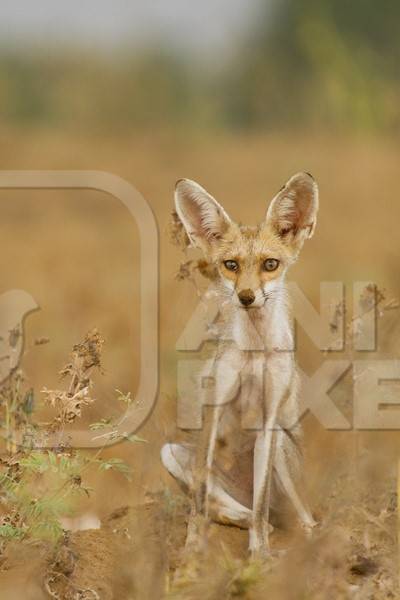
(293, 212)
(204, 219)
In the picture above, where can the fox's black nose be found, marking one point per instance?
(246, 297)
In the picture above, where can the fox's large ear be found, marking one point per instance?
(204, 219)
(293, 212)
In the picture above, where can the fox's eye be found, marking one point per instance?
(231, 265)
(271, 264)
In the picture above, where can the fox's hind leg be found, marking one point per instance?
(284, 448)
(179, 460)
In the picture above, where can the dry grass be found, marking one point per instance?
(77, 254)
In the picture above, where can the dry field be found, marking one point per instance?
(76, 253)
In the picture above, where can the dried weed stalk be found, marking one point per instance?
(85, 358)
(38, 485)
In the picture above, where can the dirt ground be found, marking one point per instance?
(77, 254)
(139, 553)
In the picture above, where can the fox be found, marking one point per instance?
(254, 371)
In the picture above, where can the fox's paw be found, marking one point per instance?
(259, 547)
(309, 528)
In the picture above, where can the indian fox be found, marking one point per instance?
(256, 346)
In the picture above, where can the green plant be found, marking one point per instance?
(39, 486)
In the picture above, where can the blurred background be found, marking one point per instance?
(238, 95)
(232, 65)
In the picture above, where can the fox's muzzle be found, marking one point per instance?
(246, 297)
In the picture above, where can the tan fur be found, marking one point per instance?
(253, 371)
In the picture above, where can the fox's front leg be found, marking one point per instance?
(263, 464)
(276, 391)
(199, 513)
(225, 374)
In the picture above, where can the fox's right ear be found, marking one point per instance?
(204, 219)
(293, 211)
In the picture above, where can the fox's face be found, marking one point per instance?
(251, 262)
